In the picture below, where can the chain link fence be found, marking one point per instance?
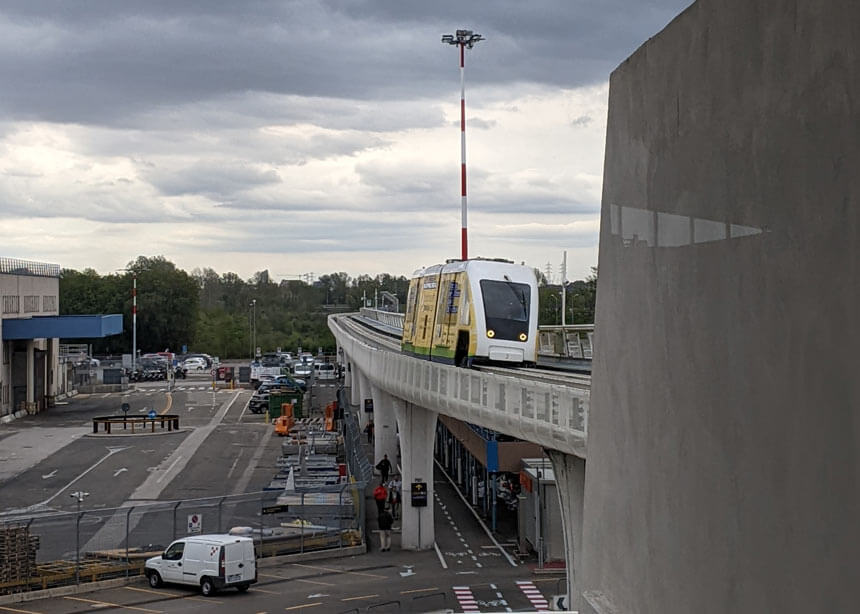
(356, 459)
(56, 549)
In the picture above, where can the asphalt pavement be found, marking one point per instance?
(55, 452)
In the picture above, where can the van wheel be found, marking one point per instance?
(154, 579)
(206, 587)
(243, 587)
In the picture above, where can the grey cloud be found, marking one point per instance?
(103, 62)
(216, 180)
(481, 124)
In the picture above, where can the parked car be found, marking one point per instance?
(293, 382)
(195, 363)
(259, 402)
(302, 369)
(211, 562)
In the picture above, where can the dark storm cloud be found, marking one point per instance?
(101, 62)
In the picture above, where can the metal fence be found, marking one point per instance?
(56, 549)
(17, 266)
(356, 459)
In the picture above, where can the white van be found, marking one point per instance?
(211, 562)
(324, 370)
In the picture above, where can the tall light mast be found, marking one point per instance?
(463, 39)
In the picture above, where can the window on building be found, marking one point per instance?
(10, 304)
(31, 304)
(49, 303)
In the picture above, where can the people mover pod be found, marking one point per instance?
(472, 310)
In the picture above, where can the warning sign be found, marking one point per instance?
(195, 524)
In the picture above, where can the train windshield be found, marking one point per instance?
(505, 300)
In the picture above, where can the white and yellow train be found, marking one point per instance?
(467, 311)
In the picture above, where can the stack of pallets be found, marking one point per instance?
(17, 553)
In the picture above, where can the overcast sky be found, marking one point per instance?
(306, 136)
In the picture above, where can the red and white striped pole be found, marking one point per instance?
(463, 39)
(134, 325)
(464, 240)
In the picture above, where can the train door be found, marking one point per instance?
(448, 305)
(410, 320)
(426, 314)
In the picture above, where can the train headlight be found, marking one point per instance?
(523, 336)
(491, 333)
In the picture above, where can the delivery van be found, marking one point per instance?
(211, 562)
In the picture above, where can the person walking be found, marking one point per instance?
(380, 495)
(384, 467)
(394, 497)
(369, 430)
(385, 521)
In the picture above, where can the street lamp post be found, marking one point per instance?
(79, 496)
(133, 318)
(253, 330)
(463, 39)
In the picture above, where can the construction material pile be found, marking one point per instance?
(17, 553)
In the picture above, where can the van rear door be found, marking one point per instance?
(239, 563)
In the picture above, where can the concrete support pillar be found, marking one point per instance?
(363, 393)
(354, 390)
(347, 372)
(52, 375)
(417, 430)
(31, 372)
(384, 427)
(570, 482)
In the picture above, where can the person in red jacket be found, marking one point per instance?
(380, 495)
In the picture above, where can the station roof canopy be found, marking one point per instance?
(64, 327)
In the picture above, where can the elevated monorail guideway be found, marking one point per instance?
(534, 405)
(382, 337)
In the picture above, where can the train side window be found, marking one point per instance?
(464, 304)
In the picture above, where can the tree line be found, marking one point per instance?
(215, 314)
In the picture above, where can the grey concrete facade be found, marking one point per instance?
(25, 296)
(723, 457)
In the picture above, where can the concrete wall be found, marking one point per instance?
(723, 458)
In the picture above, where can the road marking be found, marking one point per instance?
(167, 471)
(169, 405)
(356, 573)
(307, 605)
(420, 590)
(105, 604)
(22, 611)
(233, 466)
(268, 575)
(118, 471)
(260, 590)
(478, 518)
(169, 594)
(533, 594)
(441, 558)
(360, 597)
(49, 475)
(111, 452)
